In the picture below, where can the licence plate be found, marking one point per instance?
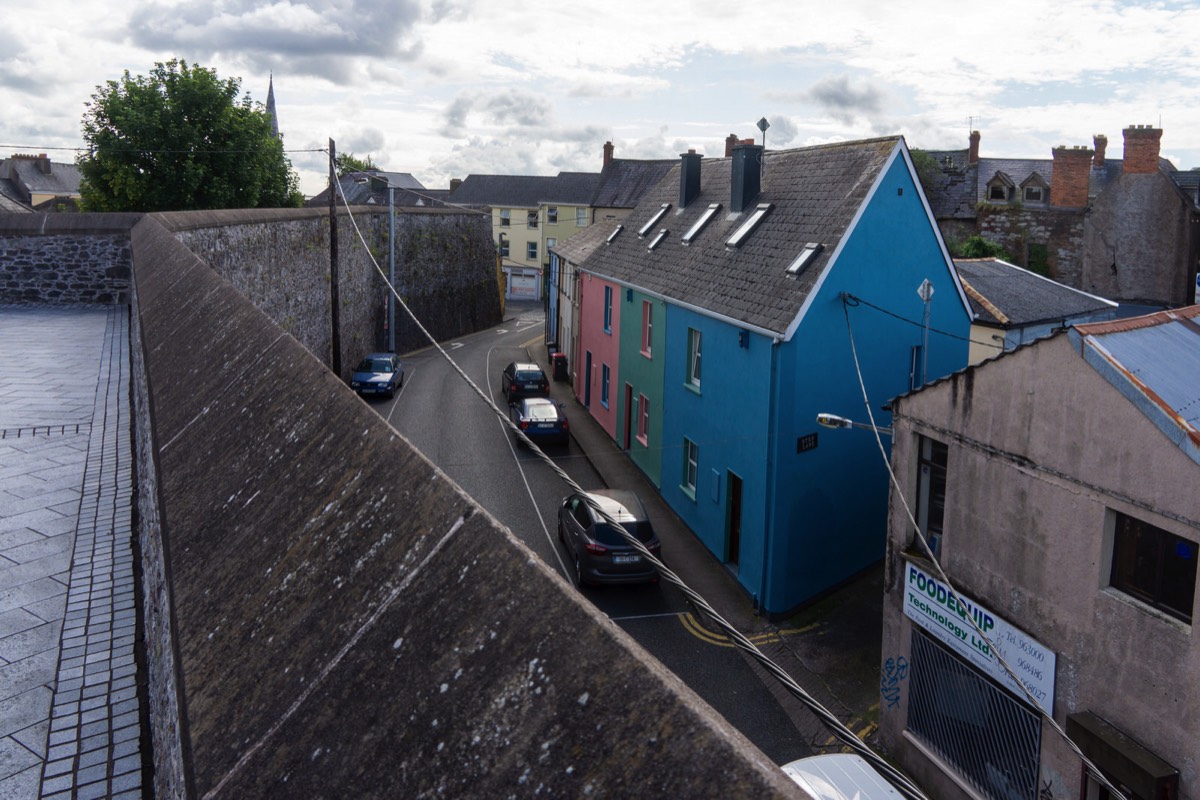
(626, 559)
(544, 425)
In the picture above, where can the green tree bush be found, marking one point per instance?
(180, 139)
(978, 247)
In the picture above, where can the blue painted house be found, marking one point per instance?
(787, 277)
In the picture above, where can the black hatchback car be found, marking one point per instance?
(520, 380)
(601, 554)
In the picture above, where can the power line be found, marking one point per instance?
(928, 551)
(835, 726)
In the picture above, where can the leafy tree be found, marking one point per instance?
(978, 247)
(346, 163)
(181, 139)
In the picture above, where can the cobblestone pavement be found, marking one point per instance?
(69, 710)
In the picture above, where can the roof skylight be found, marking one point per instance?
(705, 218)
(654, 242)
(748, 226)
(810, 251)
(649, 226)
(613, 235)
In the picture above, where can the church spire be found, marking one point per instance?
(271, 105)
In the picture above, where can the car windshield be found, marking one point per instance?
(526, 375)
(541, 411)
(606, 535)
(375, 365)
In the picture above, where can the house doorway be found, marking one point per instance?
(733, 522)
(628, 430)
(587, 381)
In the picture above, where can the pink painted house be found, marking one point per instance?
(599, 346)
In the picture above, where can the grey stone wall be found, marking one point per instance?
(445, 272)
(1062, 231)
(63, 268)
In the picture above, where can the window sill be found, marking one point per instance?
(691, 387)
(644, 441)
(646, 353)
(689, 492)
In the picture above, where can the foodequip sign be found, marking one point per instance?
(932, 605)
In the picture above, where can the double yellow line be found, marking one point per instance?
(693, 626)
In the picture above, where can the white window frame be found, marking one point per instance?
(581, 220)
(647, 328)
(695, 357)
(531, 249)
(691, 466)
(643, 434)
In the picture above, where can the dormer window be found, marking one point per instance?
(1000, 189)
(1034, 190)
(649, 226)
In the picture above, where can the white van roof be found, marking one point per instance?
(840, 776)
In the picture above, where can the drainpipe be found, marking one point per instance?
(769, 526)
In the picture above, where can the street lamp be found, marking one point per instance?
(834, 421)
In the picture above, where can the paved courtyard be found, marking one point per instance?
(69, 711)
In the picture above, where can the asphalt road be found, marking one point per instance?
(459, 431)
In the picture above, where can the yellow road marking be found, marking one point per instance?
(693, 626)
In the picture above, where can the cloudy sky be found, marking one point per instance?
(445, 88)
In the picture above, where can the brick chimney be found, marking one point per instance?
(1141, 149)
(608, 153)
(730, 141)
(973, 151)
(1069, 182)
(689, 177)
(1101, 143)
(745, 176)
(43, 163)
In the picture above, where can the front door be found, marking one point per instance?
(587, 381)
(734, 523)
(629, 411)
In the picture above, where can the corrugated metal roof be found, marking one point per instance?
(1160, 355)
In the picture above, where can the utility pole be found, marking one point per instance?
(925, 292)
(335, 333)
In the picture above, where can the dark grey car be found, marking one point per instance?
(599, 553)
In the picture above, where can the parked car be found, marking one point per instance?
(840, 776)
(378, 373)
(520, 380)
(601, 554)
(541, 419)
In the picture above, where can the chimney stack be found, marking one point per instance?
(730, 141)
(1101, 143)
(689, 177)
(455, 183)
(745, 178)
(973, 152)
(1141, 149)
(608, 153)
(1072, 169)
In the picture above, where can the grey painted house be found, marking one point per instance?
(1057, 484)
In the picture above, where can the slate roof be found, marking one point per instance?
(954, 196)
(1155, 362)
(1188, 182)
(525, 191)
(29, 179)
(10, 199)
(815, 192)
(1006, 295)
(578, 247)
(623, 181)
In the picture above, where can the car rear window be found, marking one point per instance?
(644, 531)
(527, 376)
(542, 412)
